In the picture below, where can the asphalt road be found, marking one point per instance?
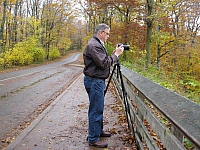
(24, 94)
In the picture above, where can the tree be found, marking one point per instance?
(149, 20)
(3, 20)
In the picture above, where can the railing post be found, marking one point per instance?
(177, 133)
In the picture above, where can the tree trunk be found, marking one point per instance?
(9, 30)
(2, 42)
(14, 36)
(149, 32)
(125, 34)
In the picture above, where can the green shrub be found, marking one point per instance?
(24, 53)
(54, 53)
(38, 54)
(8, 60)
(109, 48)
(1, 63)
(21, 56)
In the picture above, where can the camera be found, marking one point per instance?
(126, 47)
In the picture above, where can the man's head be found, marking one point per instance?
(102, 31)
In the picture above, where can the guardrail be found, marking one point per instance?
(158, 117)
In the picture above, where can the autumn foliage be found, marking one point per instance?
(172, 28)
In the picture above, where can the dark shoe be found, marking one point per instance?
(105, 134)
(99, 144)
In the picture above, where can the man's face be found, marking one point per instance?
(104, 35)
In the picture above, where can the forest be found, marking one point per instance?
(164, 35)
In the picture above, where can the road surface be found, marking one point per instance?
(24, 94)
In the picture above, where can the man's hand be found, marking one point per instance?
(119, 50)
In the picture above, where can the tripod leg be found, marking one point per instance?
(105, 91)
(127, 108)
(126, 105)
(110, 79)
(123, 90)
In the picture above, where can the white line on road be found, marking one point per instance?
(18, 76)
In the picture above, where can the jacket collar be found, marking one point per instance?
(100, 43)
(98, 39)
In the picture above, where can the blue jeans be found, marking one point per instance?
(95, 89)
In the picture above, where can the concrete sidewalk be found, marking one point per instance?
(63, 125)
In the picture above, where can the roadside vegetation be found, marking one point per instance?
(188, 86)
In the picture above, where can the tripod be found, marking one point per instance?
(126, 104)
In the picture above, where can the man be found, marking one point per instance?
(96, 70)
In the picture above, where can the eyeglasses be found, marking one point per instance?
(106, 32)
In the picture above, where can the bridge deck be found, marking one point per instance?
(63, 125)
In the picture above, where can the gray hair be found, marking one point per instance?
(101, 27)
